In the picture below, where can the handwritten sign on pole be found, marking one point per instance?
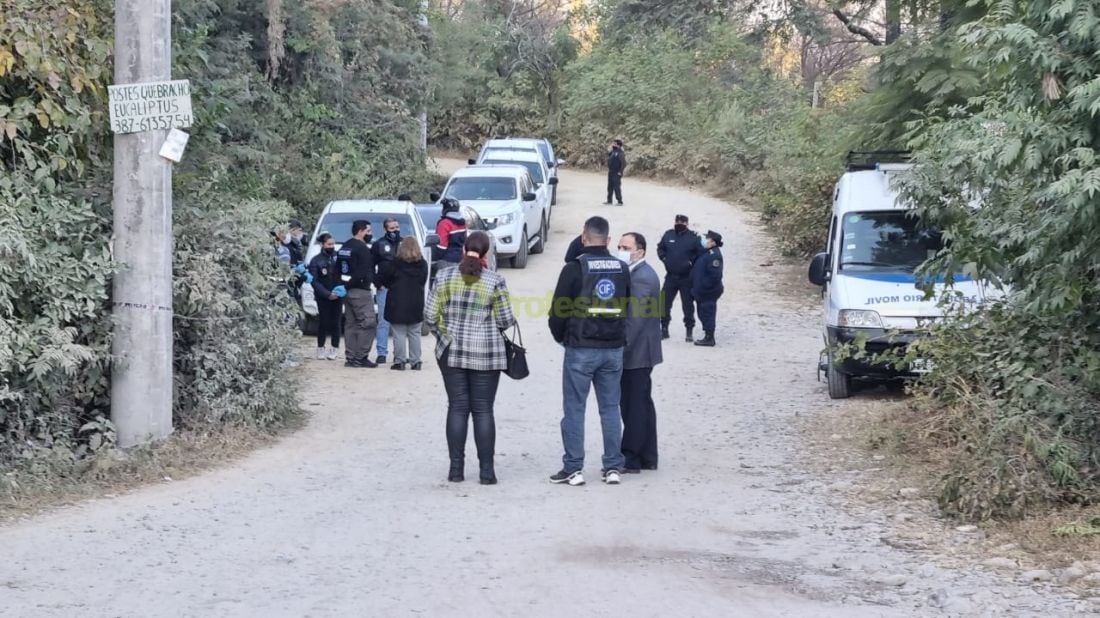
(150, 106)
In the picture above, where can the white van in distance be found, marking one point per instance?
(868, 274)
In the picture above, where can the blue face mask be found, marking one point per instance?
(703, 242)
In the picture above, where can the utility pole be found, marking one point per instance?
(423, 118)
(141, 374)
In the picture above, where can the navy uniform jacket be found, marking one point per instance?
(678, 252)
(706, 276)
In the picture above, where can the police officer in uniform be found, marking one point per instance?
(588, 317)
(384, 250)
(706, 284)
(677, 251)
(356, 267)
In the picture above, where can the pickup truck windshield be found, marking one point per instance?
(533, 167)
(498, 189)
(886, 241)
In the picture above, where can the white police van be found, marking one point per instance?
(868, 275)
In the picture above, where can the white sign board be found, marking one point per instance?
(174, 145)
(150, 106)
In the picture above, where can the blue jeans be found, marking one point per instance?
(383, 341)
(584, 367)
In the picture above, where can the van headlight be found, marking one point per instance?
(859, 318)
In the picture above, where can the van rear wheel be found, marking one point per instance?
(840, 383)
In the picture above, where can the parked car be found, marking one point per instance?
(540, 145)
(531, 160)
(336, 219)
(868, 275)
(515, 210)
(430, 214)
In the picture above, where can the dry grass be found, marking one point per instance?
(27, 492)
(895, 443)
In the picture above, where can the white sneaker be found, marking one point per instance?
(320, 354)
(611, 477)
(332, 354)
(574, 479)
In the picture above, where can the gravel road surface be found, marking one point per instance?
(352, 516)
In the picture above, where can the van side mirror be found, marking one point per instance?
(529, 197)
(431, 240)
(471, 161)
(433, 197)
(561, 162)
(553, 180)
(819, 269)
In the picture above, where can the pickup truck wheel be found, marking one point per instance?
(540, 244)
(840, 383)
(519, 260)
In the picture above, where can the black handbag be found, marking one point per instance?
(516, 355)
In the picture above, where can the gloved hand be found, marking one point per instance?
(340, 291)
(300, 269)
(309, 277)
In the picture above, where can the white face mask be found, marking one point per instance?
(703, 241)
(624, 256)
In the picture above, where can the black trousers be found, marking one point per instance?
(615, 187)
(470, 393)
(708, 312)
(678, 284)
(639, 419)
(329, 314)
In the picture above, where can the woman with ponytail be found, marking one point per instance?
(468, 307)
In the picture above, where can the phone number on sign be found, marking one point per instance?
(151, 123)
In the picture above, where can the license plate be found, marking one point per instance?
(921, 365)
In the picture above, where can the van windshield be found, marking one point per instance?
(339, 224)
(888, 240)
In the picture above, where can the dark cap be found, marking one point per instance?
(294, 223)
(715, 236)
(681, 218)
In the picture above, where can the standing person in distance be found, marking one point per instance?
(384, 250)
(588, 317)
(330, 305)
(616, 165)
(451, 230)
(678, 249)
(356, 266)
(642, 354)
(706, 285)
(294, 242)
(468, 307)
(405, 277)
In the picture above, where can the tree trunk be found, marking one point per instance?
(893, 20)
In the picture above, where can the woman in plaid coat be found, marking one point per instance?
(468, 307)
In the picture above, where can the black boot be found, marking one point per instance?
(488, 475)
(457, 473)
(706, 341)
(664, 332)
(688, 338)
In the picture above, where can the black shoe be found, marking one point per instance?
(398, 366)
(605, 203)
(632, 470)
(366, 363)
(351, 363)
(417, 366)
(456, 475)
(649, 466)
(707, 341)
(488, 477)
(619, 204)
(664, 332)
(575, 479)
(688, 338)
(381, 360)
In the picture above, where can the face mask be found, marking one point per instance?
(679, 227)
(703, 241)
(624, 256)
(393, 235)
(330, 251)
(368, 238)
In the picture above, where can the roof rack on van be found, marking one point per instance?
(858, 160)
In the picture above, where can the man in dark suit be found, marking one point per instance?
(641, 354)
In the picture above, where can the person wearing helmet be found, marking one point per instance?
(451, 230)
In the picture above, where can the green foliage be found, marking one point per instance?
(1018, 383)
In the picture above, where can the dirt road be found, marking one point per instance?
(353, 516)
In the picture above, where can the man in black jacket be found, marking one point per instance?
(616, 164)
(588, 317)
(678, 250)
(384, 250)
(356, 267)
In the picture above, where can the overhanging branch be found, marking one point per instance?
(871, 37)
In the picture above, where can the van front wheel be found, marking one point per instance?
(840, 383)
